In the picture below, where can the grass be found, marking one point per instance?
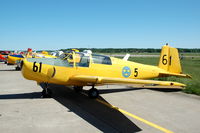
(190, 65)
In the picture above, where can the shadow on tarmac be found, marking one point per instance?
(102, 117)
(8, 70)
(105, 91)
(32, 95)
(164, 89)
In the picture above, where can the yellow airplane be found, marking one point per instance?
(87, 69)
(16, 59)
(12, 59)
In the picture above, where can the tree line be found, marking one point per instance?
(133, 50)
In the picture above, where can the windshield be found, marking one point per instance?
(77, 58)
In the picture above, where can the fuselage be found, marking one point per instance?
(59, 71)
(12, 59)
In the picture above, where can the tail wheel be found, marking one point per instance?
(93, 93)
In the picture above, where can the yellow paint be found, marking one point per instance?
(45, 52)
(169, 59)
(13, 60)
(100, 74)
(164, 57)
(136, 117)
(175, 65)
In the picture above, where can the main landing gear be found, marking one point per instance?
(92, 93)
(46, 93)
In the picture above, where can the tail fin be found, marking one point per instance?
(169, 60)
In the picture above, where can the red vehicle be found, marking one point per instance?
(4, 56)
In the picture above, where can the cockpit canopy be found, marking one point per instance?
(74, 59)
(83, 59)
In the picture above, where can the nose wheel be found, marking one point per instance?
(17, 68)
(46, 92)
(93, 93)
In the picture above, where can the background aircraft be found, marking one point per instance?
(4, 56)
(15, 59)
(80, 69)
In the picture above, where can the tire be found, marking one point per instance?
(93, 93)
(17, 68)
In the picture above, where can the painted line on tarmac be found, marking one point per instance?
(136, 117)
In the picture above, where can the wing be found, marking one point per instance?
(107, 80)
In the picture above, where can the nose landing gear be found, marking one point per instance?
(46, 92)
(17, 68)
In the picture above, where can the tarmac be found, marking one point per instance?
(118, 109)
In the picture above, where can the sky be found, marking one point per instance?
(60, 24)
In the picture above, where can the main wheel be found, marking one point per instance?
(93, 93)
(78, 88)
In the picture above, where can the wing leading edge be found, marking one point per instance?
(107, 80)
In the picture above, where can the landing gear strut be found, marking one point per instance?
(93, 93)
(46, 93)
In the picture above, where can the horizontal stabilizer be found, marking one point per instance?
(174, 74)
